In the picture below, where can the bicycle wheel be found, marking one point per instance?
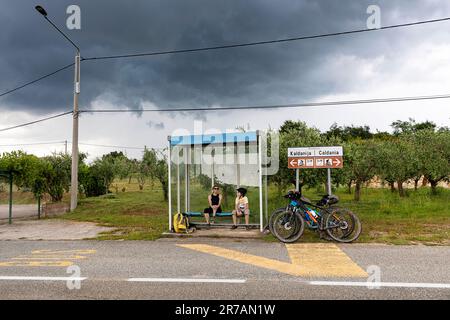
(288, 227)
(271, 219)
(343, 225)
(351, 226)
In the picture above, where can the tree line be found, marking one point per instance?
(50, 175)
(413, 151)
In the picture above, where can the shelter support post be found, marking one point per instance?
(178, 183)
(169, 178)
(261, 227)
(186, 178)
(238, 166)
(212, 170)
(266, 205)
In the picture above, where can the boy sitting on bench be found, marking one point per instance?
(241, 208)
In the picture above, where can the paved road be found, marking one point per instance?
(220, 269)
(18, 211)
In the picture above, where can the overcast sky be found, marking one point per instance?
(409, 61)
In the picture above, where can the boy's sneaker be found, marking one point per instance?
(234, 227)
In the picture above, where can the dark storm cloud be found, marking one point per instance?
(261, 75)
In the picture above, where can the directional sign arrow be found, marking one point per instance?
(292, 162)
(338, 162)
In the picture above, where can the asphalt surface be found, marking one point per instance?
(18, 211)
(106, 267)
(50, 229)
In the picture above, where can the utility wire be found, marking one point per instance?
(248, 44)
(36, 80)
(109, 146)
(81, 143)
(36, 121)
(294, 105)
(32, 144)
(236, 46)
(225, 47)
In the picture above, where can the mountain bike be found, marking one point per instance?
(331, 222)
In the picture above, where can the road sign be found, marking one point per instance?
(315, 158)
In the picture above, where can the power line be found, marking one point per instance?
(294, 105)
(32, 144)
(248, 44)
(36, 80)
(36, 121)
(225, 47)
(81, 143)
(110, 146)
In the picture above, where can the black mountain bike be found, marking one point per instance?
(331, 222)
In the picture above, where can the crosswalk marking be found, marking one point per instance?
(328, 260)
(323, 259)
(48, 258)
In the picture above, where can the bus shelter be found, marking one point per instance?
(196, 163)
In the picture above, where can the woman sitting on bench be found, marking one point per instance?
(214, 200)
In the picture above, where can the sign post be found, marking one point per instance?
(315, 158)
(329, 181)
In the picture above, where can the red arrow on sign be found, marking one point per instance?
(338, 162)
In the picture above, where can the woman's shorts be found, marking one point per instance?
(210, 210)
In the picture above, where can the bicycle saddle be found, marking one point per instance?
(328, 200)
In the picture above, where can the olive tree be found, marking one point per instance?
(361, 162)
(433, 153)
(398, 162)
(297, 134)
(154, 165)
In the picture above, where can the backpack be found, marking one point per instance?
(180, 223)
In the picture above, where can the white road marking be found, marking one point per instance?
(189, 280)
(27, 278)
(381, 284)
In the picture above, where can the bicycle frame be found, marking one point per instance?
(302, 207)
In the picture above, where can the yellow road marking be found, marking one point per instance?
(302, 265)
(58, 263)
(48, 258)
(246, 258)
(323, 259)
(74, 251)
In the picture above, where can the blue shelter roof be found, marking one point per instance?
(216, 138)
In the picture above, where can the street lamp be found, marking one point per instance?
(76, 93)
(41, 10)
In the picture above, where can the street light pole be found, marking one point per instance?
(74, 174)
(76, 93)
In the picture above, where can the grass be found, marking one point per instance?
(386, 218)
(136, 215)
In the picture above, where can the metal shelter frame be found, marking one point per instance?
(9, 174)
(217, 140)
